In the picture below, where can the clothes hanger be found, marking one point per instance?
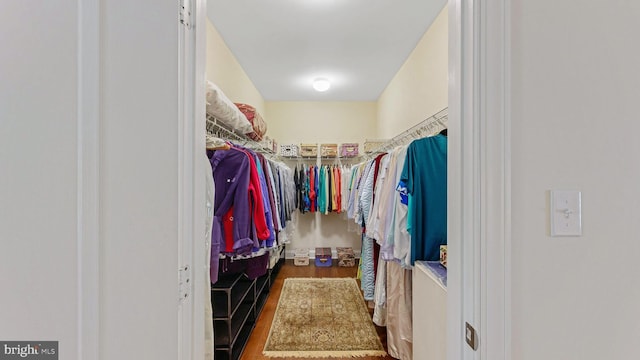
(223, 147)
(215, 143)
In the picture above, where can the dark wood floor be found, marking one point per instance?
(253, 350)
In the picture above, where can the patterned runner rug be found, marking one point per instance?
(322, 317)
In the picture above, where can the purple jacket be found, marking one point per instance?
(231, 169)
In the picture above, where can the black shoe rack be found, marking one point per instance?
(237, 302)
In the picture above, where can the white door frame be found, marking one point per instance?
(479, 284)
(479, 227)
(191, 145)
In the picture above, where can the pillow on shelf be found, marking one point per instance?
(259, 126)
(224, 110)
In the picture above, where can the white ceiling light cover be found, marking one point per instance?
(321, 84)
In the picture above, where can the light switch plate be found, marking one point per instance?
(566, 213)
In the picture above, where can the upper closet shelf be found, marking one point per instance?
(430, 126)
(215, 128)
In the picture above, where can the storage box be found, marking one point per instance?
(329, 150)
(308, 149)
(273, 260)
(301, 257)
(323, 257)
(290, 150)
(443, 255)
(349, 150)
(274, 256)
(373, 145)
(346, 257)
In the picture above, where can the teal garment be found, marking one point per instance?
(322, 196)
(425, 176)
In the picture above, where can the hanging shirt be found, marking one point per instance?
(322, 199)
(367, 255)
(258, 211)
(305, 189)
(282, 190)
(274, 195)
(374, 218)
(264, 190)
(425, 177)
(362, 196)
(298, 188)
(312, 190)
(329, 189)
(366, 194)
(376, 246)
(288, 190)
(400, 235)
(338, 189)
(344, 185)
(334, 190)
(264, 164)
(316, 184)
(387, 207)
(351, 206)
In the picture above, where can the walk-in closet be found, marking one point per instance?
(329, 207)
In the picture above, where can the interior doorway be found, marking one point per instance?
(478, 292)
(479, 181)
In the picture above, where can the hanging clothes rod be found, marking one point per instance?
(215, 128)
(430, 126)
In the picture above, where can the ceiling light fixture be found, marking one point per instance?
(321, 84)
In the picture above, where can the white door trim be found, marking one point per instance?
(88, 181)
(479, 290)
(192, 207)
(198, 102)
(454, 197)
(186, 178)
(495, 127)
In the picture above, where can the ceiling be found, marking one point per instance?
(359, 45)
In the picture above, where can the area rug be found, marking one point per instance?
(322, 317)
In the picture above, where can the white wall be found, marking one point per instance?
(38, 99)
(575, 126)
(420, 87)
(224, 70)
(322, 122)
